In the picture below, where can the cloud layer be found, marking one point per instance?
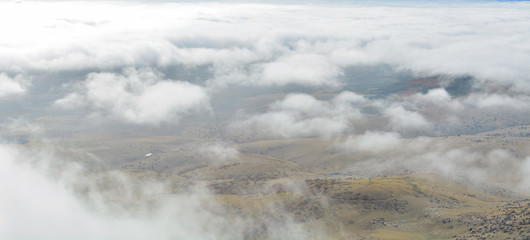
(195, 49)
(274, 44)
(301, 115)
(139, 97)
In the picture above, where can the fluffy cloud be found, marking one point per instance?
(495, 101)
(12, 86)
(438, 98)
(372, 142)
(138, 97)
(301, 115)
(303, 69)
(275, 44)
(401, 119)
(432, 113)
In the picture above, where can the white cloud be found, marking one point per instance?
(47, 195)
(495, 100)
(372, 142)
(303, 69)
(438, 98)
(301, 115)
(139, 97)
(402, 119)
(388, 151)
(267, 44)
(71, 101)
(219, 151)
(35, 205)
(12, 86)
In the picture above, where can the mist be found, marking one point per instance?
(47, 195)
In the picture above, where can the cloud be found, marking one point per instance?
(493, 166)
(34, 205)
(438, 98)
(372, 142)
(48, 194)
(276, 44)
(138, 97)
(302, 115)
(12, 86)
(525, 167)
(219, 151)
(401, 119)
(433, 113)
(495, 101)
(383, 153)
(303, 69)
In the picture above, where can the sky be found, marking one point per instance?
(275, 71)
